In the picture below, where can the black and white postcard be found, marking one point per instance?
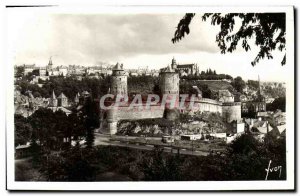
(150, 98)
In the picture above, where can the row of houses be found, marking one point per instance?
(26, 105)
(78, 70)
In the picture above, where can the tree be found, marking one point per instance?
(42, 122)
(253, 84)
(267, 29)
(160, 167)
(19, 71)
(23, 130)
(239, 84)
(278, 103)
(90, 117)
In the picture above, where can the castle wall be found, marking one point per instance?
(231, 111)
(204, 105)
(133, 113)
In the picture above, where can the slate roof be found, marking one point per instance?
(62, 96)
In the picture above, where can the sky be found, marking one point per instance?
(136, 40)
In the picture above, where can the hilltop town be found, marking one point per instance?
(241, 104)
(58, 107)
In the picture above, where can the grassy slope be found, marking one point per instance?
(215, 85)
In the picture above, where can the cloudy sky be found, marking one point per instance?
(136, 40)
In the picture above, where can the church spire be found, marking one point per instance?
(50, 61)
(174, 64)
(53, 95)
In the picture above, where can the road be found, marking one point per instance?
(103, 139)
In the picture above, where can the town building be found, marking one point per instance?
(258, 104)
(185, 69)
(59, 103)
(28, 68)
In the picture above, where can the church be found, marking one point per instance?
(256, 105)
(185, 69)
(59, 103)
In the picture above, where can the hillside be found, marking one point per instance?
(215, 85)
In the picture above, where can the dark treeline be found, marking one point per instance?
(254, 84)
(55, 130)
(208, 75)
(70, 86)
(245, 159)
(278, 103)
(143, 85)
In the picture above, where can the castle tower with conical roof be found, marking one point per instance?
(169, 81)
(119, 80)
(169, 88)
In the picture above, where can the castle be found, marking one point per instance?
(169, 87)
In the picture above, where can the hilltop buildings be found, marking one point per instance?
(185, 69)
(256, 105)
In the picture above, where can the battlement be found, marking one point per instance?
(206, 100)
(231, 104)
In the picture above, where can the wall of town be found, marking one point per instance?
(132, 113)
(231, 111)
(206, 105)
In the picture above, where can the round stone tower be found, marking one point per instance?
(169, 89)
(169, 81)
(119, 80)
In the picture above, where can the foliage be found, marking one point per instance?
(208, 76)
(186, 87)
(71, 165)
(267, 29)
(278, 103)
(48, 128)
(274, 92)
(245, 159)
(23, 130)
(70, 86)
(19, 72)
(161, 167)
(249, 158)
(253, 84)
(90, 116)
(239, 84)
(143, 85)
